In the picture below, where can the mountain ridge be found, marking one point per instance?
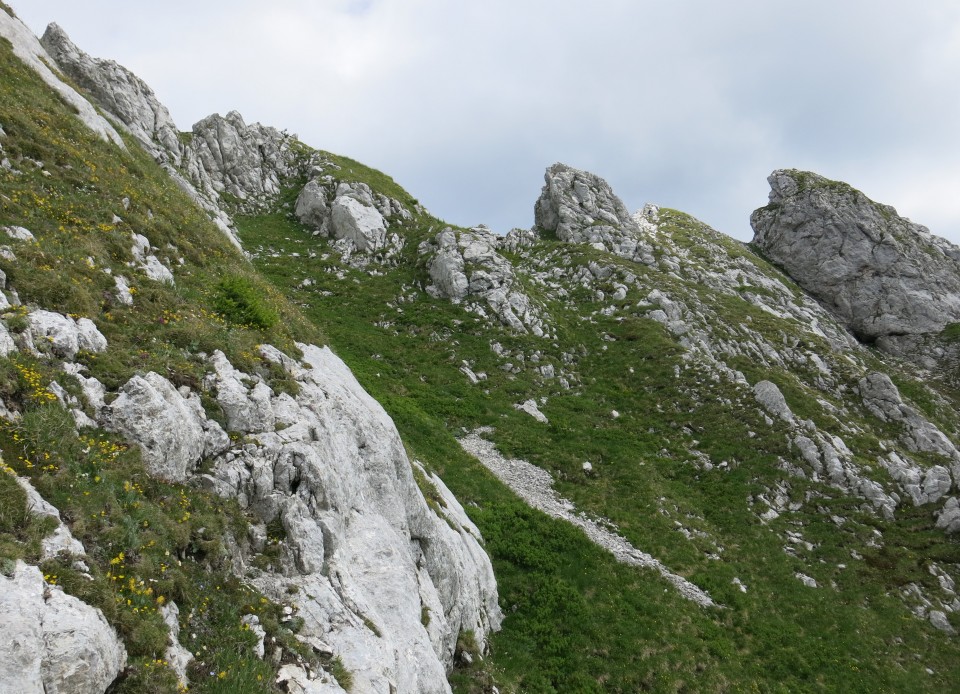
(675, 374)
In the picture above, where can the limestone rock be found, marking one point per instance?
(882, 275)
(882, 398)
(53, 642)
(772, 400)
(362, 224)
(27, 47)
(361, 539)
(61, 539)
(178, 656)
(225, 155)
(119, 92)
(580, 207)
(311, 208)
(64, 335)
(949, 517)
(149, 263)
(530, 407)
(351, 212)
(467, 264)
(171, 429)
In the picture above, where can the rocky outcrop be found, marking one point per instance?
(885, 277)
(330, 466)
(361, 540)
(580, 207)
(352, 213)
(248, 162)
(27, 47)
(170, 426)
(63, 335)
(467, 264)
(119, 92)
(53, 642)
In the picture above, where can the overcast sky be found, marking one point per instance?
(685, 103)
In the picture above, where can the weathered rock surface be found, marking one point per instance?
(885, 277)
(580, 207)
(119, 92)
(53, 642)
(64, 335)
(27, 47)
(61, 539)
(467, 264)
(170, 427)
(882, 398)
(225, 155)
(350, 212)
(361, 539)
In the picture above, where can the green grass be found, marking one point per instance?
(575, 619)
(148, 542)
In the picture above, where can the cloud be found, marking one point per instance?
(686, 104)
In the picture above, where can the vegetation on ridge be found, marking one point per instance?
(148, 542)
(576, 620)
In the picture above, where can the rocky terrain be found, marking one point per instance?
(268, 425)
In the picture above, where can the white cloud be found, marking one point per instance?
(688, 104)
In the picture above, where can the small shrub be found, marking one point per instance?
(340, 673)
(240, 302)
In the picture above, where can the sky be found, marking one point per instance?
(688, 104)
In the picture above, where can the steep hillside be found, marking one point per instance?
(195, 495)
(688, 472)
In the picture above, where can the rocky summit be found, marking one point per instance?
(268, 425)
(889, 280)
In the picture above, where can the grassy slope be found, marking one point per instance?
(577, 621)
(148, 542)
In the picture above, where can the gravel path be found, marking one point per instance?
(535, 486)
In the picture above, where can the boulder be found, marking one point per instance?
(772, 400)
(119, 92)
(883, 276)
(64, 335)
(171, 429)
(360, 223)
(53, 642)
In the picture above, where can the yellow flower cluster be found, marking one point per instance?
(103, 451)
(33, 379)
(133, 592)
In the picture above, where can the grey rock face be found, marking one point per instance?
(467, 264)
(350, 212)
(225, 155)
(772, 400)
(28, 49)
(360, 223)
(61, 539)
(882, 398)
(53, 642)
(580, 207)
(118, 91)
(64, 335)
(171, 429)
(362, 541)
(882, 275)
